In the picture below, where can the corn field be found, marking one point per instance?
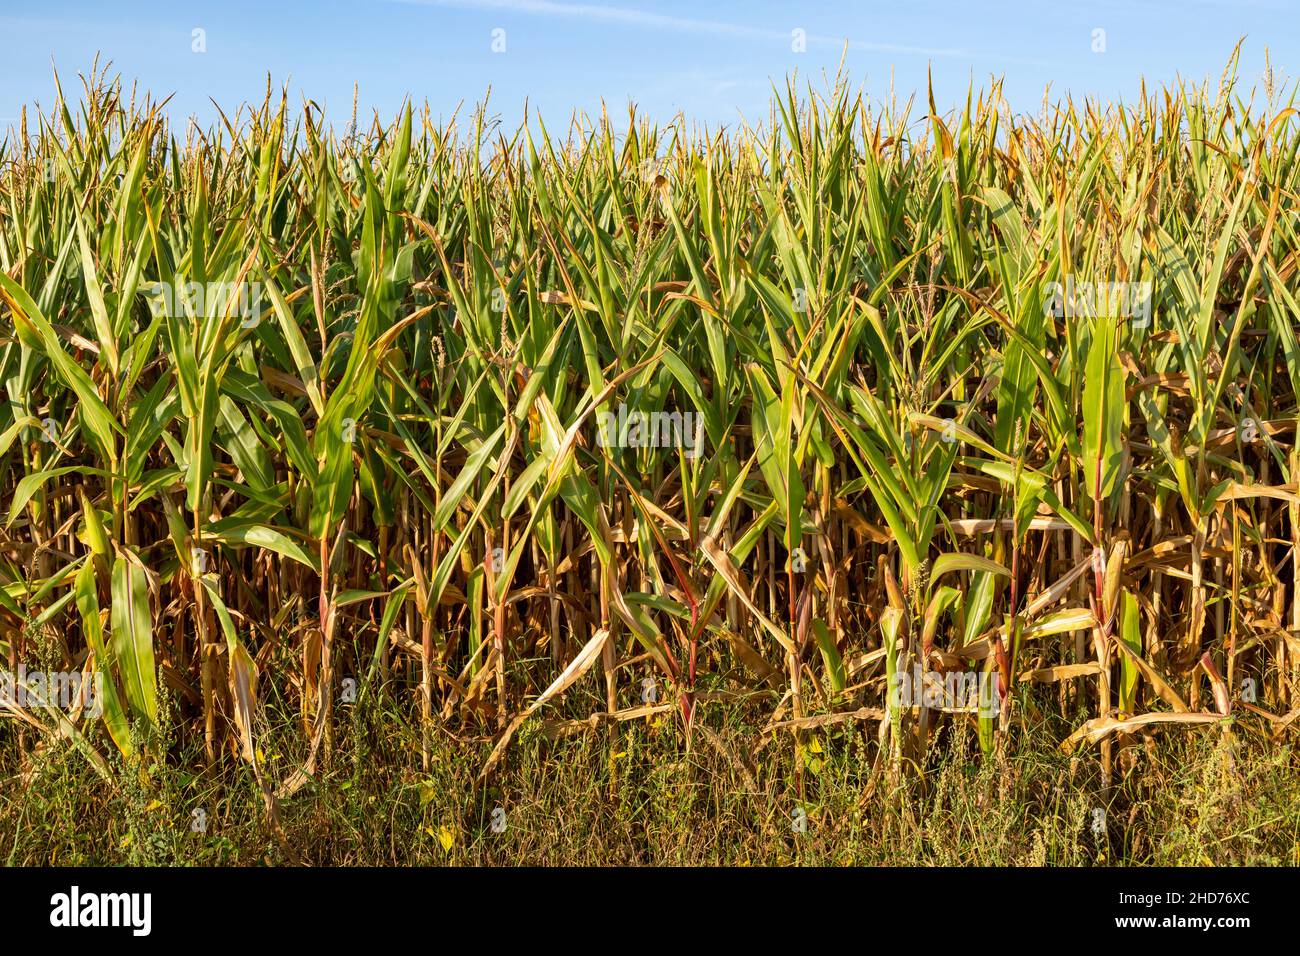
(506, 424)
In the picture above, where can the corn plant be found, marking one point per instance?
(359, 434)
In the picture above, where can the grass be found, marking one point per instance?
(633, 797)
(302, 429)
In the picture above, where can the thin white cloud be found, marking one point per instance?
(627, 16)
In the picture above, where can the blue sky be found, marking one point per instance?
(713, 60)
